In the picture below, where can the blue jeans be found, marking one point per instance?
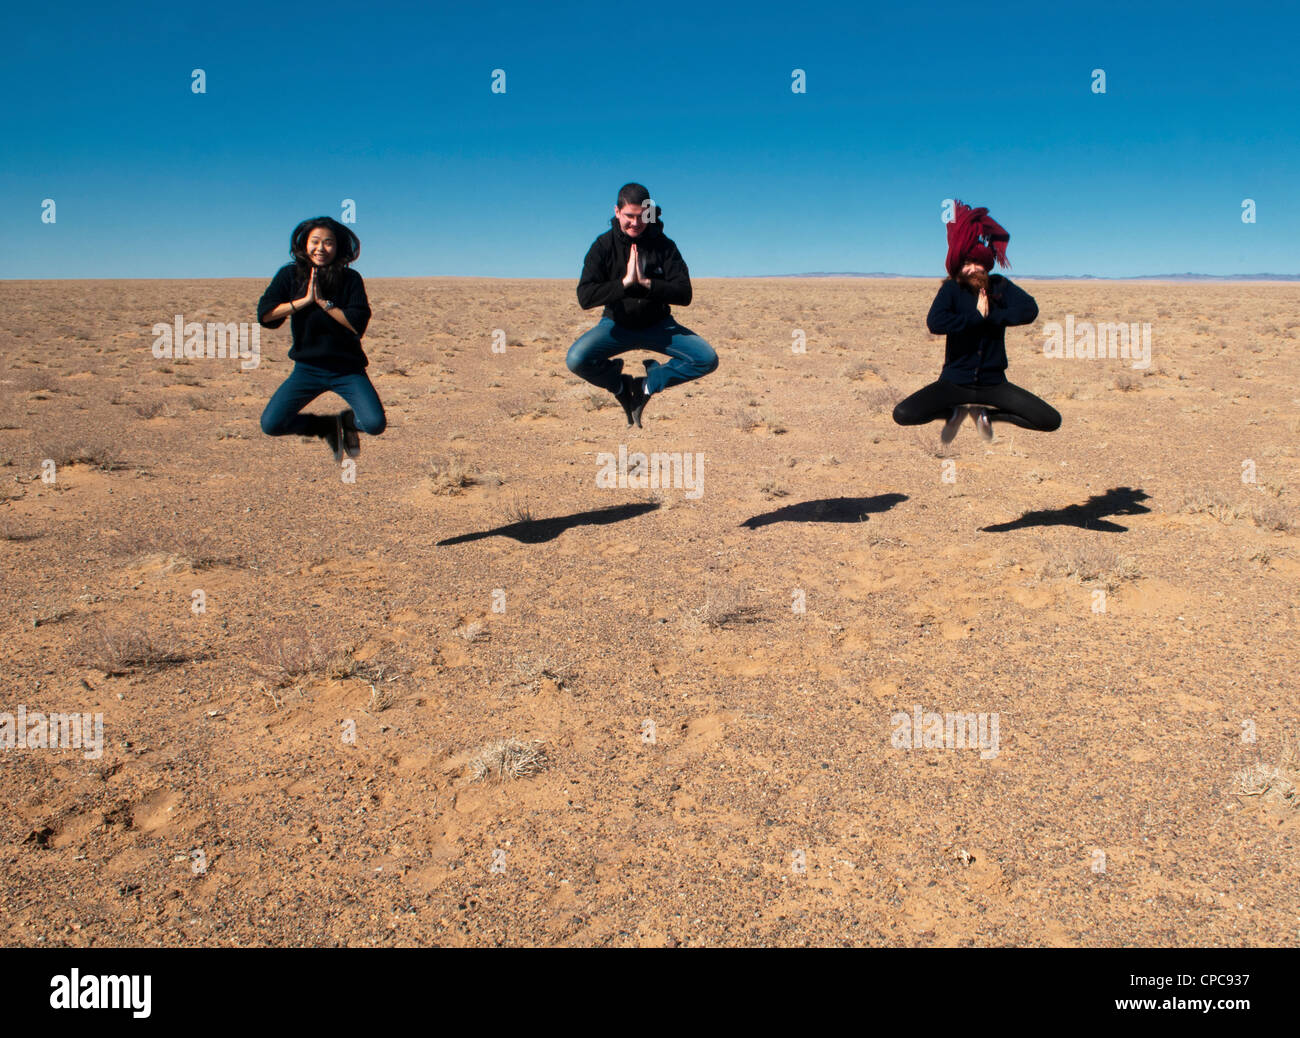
(305, 383)
(591, 356)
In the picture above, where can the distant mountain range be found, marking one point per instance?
(1059, 277)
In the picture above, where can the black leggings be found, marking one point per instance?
(1011, 404)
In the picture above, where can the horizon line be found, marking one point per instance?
(880, 276)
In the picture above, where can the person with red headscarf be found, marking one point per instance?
(973, 309)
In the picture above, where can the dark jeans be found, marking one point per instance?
(1008, 403)
(591, 356)
(305, 383)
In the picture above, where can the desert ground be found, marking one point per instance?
(306, 679)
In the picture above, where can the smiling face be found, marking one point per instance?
(321, 246)
(630, 219)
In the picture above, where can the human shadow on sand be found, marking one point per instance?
(827, 510)
(1091, 515)
(536, 531)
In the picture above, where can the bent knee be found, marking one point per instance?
(271, 427)
(1052, 422)
(574, 358)
(373, 425)
(709, 363)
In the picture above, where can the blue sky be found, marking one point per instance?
(390, 105)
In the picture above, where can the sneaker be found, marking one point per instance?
(951, 426)
(351, 439)
(639, 400)
(980, 416)
(334, 436)
(627, 396)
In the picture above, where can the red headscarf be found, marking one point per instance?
(974, 236)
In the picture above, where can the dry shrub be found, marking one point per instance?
(152, 409)
(1273, 516)
(880, 398)
(508, 759)
(119, 650)
(97, 455)
(1093, 565)
(1275, 783)
(450, 475)
(774, 424)
(296, 655)
(725, 607)
(518, 512)
(1210, 502)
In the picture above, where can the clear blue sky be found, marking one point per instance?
(390, 104)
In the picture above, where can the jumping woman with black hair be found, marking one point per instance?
(974, 309)
(325, 301)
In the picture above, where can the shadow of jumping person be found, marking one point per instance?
(827, 510)
(537, 531)
(1088, 516)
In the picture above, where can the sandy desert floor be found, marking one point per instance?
(295, 763)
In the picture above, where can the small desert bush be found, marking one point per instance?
(97, 455)
(1277, 782)
(518, 512)
(1210, 502)
(1273, 516)
(507, 759)
(296, 655)
(450, 475)
(726, 607)
(1093, 565)
(118, 649)
(152, 409)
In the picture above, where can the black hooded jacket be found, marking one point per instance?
(636, 306)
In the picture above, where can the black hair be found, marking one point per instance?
(635, 194)
(347, 247)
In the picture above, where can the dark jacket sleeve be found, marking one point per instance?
(595, 287)
(1017, 306)
(355, 305)
(277, 292)
(953, 310)
(675, 285)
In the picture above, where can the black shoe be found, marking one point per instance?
(334, 436)
(639, 400)
(627, 395)
(351, 440)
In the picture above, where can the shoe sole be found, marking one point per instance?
(949, 431)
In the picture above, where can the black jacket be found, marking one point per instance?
(601, 283)
(977, 349)
(316, 337)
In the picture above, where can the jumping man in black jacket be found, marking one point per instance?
(635, 272)
(974, 310)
